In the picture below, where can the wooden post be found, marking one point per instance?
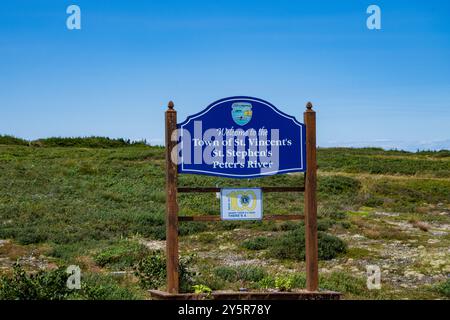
(312, 265)
(171, 203)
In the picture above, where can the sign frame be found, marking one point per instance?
(310, 203)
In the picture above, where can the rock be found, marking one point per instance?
(432, 241)
(154, 244)
(413, 274)
(437, 263)
(387, 214)
(438, 233)
(118, 273)
(420, 247)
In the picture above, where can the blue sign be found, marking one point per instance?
(241, 137)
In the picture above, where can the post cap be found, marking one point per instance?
(309, 105)
(170, 105)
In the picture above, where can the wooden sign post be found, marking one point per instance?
(171, 201)
(306, 140)
(312, 273)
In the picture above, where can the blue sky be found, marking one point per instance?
(388, 87)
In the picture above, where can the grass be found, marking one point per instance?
(292, 246)
(258, 243)
(89, 201)
(10, 140)
(123, 255)
(444, 288)
(51, 285)
(246, 273)
(378, 161)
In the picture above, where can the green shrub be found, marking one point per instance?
(266, 283)
(188, 228)
(330, 246)
(292, 246)
(444, 288)
(123, 255)
(43, 285)
(283, 283)
(10, 140)
(52, 285)
(382, 162)
(244, 273)
(207, 237)
(333, 185)
(152, 273)
(30, 235)
(157, 232)
(408, 193)
(227, 225)
(86, 142)
(104, 287)
(258, 243)
(210, 279)
(299, 280)
(373, 201)
(251, 273)
(289, 225)
(201, 288)
(332, 213)
(345, 224)
(343, 282)
(324, 224)
(226, 273)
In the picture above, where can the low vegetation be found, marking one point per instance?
(52, 285)
(99, 203)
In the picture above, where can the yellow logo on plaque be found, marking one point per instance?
(241, 204)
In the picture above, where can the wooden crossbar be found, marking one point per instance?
(217, 189)
(269, 217)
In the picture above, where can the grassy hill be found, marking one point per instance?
(99, 203)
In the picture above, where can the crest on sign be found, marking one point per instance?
(241, 112)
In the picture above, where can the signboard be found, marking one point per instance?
(241, 137)
(241, 204)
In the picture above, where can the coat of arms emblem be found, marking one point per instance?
(241, 112)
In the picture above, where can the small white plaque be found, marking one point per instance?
(241, 204)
